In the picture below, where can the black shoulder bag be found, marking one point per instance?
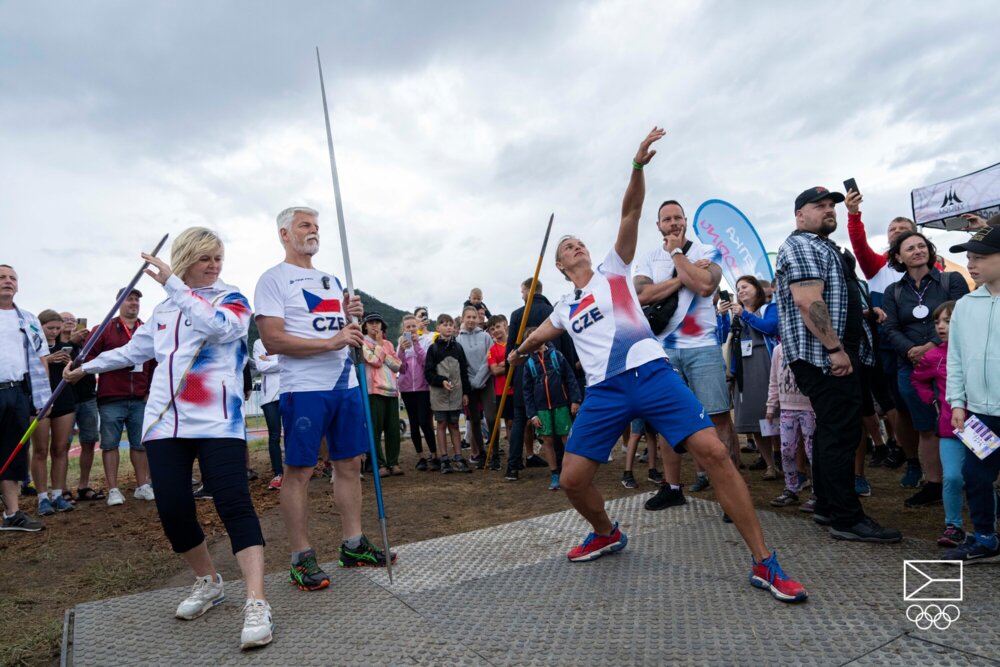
(659, 314)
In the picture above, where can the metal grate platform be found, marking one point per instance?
(507, 596)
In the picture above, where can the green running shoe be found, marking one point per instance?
(366, 555)
(307, 574)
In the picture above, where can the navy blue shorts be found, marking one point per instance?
(308, 416)
(653, 392)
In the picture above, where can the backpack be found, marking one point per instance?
(533, 367)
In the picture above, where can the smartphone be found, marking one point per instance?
(724, 295)
(851, 184)
(408, 336)
(81, 324)
(68, 349)
(955, 224)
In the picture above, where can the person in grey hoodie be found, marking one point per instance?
(974, 387)
(476, 344)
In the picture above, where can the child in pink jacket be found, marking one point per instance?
(930, 379)
(797, 418)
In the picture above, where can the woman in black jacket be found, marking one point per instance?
(908, 305)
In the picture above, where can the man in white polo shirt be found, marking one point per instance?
(303, 316)
(22, 374)
(689, 270)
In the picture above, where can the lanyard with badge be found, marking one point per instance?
(920, 311)
(138, 368)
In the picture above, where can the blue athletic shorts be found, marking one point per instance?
(308, 416)
(653, 392)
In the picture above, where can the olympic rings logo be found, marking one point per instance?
(933, 616)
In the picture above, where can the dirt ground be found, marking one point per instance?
(98, 551)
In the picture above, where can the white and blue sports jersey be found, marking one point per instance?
(607, 325)
(311, 304)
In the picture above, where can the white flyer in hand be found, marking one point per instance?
(769, 427)
(978, 437)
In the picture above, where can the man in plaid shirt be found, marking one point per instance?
(825, 340)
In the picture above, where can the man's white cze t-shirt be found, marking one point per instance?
(693, 323)
(311, 304)
(607, 325)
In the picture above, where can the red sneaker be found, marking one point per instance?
(768, 575)
(275, 483)
(596, 545)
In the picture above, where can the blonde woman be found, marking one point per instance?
(198, 335)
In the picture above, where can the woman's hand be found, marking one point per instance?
(737, 309)
(162, 272)
(958, 419)
(404, 343)
(644, 154)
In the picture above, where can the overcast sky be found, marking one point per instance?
(459, 127)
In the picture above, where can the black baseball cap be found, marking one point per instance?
(815, 194)
(985, 242)
(134, 291)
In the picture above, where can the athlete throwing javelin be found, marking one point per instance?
(629, 376)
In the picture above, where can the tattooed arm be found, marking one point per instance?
(808, 297)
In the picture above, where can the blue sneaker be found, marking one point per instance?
(700, 483)
(911, 478)
(861, 486)
(767, 575)
(974, 551)
(62, 505)
(45, 507)
(554, 482)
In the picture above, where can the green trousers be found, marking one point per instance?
(385, 420)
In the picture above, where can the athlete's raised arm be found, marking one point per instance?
(635, 194)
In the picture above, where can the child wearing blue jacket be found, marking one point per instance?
(551, 400)
(974, 387)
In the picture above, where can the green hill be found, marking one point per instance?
(392, 315)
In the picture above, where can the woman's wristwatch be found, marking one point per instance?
(833, 350)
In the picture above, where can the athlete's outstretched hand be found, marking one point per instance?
(349, 335)
(163, 271)
(644, 154)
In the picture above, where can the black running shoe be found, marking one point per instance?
(202, 494)
(435, 464)
(664, 498)
(495, 463)
(460, 465)
(929, 494)
(307, 574)
(421, 464)
(879, 454)
(478, 462)
(655, 476)
(511, 475)
(759, 464)
(894, 456)
(21, 522)
(365, 555)
(445, 465)
(535, 461)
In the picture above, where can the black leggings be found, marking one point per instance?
(223, 471)
(418, 409)
(272, 416)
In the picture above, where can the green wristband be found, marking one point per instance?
(637, 166)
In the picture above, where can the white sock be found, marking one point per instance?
(56, 493)
(675, 487)
(43, 495)
(8, 516)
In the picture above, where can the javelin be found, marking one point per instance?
(83, 354)
(519, 339)
(361, 359)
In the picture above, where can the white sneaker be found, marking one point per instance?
(205, 594)
(257, 624)
(115, 497)
(145, 492)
